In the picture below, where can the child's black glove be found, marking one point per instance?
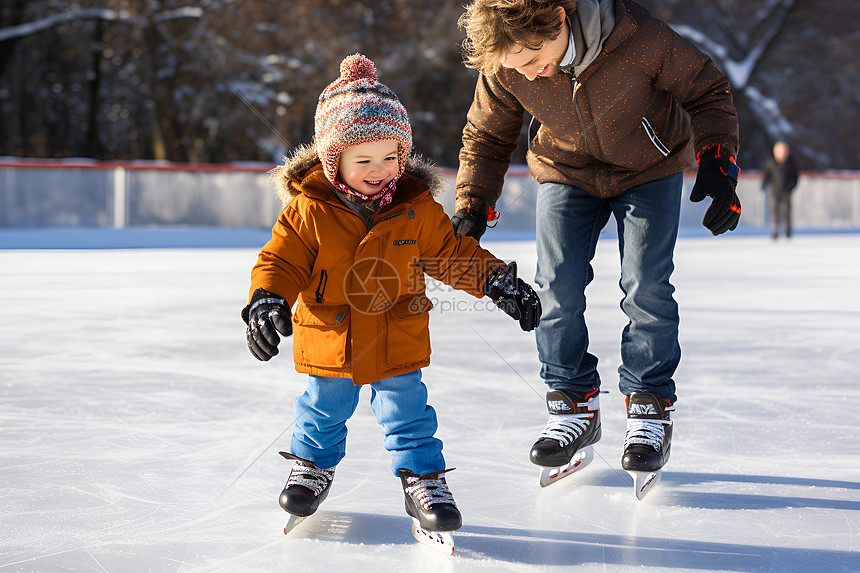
(717, 178)
(266, 315)
(514, 296)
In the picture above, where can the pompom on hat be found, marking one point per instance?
(356, 109)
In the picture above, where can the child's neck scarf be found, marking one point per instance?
(385, 195)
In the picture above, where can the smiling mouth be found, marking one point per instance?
(543, 70)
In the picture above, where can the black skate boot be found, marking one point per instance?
(306, 488)
(648, 441)
(573, 424)
(429, 501)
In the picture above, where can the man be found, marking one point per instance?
(624, 106)
(780, 176)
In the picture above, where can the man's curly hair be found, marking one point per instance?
(495, 28)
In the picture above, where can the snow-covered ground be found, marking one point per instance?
(138, 434)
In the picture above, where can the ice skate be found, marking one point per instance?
(306, 489)
(648, 441)
(580, 459)
(431, 505)
(565, 445)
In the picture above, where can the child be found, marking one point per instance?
(358, 231)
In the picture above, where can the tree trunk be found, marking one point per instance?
(94, 146)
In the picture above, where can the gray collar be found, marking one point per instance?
(567, 61)
(590, 25)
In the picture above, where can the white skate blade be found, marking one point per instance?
(580, 459)
(292, 522)
(644, 482)
(439, 540)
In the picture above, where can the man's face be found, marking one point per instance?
(543, 61)
(780, 151)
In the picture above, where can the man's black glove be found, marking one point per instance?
(266, 315)
(717, 178)
(514, 296)
(473, 221)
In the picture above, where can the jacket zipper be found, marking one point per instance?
(652, 135)
(324, 274)
(595, 178)
(529, 133)
(354, 214)
(339, 208)
(321, 286)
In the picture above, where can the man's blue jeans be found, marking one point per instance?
(400, 406)
(569, 221)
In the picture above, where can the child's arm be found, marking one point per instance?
(454, 259)
(285, 262)
(459, 261)
(282, 271)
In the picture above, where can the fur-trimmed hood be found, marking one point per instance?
(286, 179)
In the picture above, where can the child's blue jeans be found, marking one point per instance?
(400, 406)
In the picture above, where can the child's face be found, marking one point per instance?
(369, 167)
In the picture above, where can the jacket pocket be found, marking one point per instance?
(321, 334)
(408, 324)
(652, 135)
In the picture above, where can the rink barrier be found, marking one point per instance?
(78, 192)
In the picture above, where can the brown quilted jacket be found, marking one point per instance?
(622, 123)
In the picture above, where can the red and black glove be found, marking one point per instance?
(266, 315)
(718, 178)
(473, 221)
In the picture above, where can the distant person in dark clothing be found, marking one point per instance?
(779, 176)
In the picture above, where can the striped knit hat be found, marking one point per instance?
(356, 109)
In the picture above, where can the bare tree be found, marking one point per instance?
(235, 80)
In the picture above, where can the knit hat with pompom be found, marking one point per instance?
(356, 109)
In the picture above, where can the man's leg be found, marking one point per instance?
(786, 213)
(569, 221)
(648, 218)
(774, 214)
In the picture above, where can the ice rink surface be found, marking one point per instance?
(137, 433)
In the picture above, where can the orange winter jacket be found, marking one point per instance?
(362, 312)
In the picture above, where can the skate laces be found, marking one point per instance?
(308, 475)
(564, 428)
(429, 489)
(645, 432)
